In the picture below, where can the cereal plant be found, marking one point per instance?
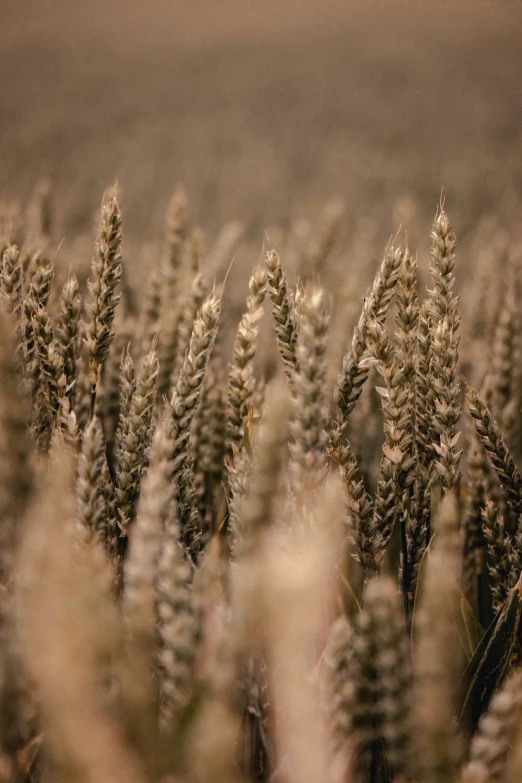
(217, 564)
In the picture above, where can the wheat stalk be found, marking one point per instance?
(106, 272)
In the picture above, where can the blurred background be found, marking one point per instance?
(263, 109)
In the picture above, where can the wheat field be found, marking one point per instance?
(261, 426)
